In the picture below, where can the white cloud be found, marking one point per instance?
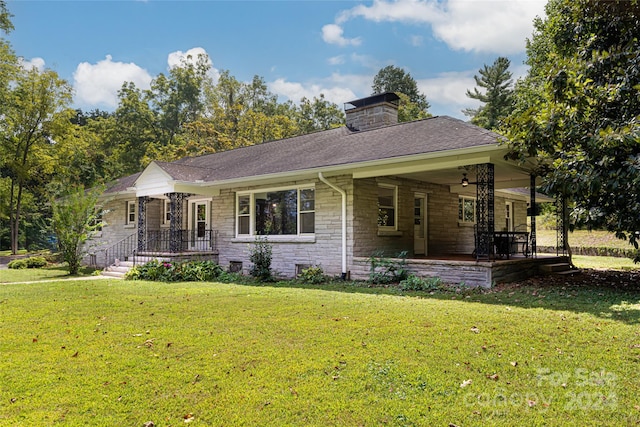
(295, 91)
(36, 62)
(447, 92)
(191, 56)
(97, 85)
(494, 26)
(416, 41)
(332, 34)
(336, 60)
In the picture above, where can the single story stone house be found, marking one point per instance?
(438, 189)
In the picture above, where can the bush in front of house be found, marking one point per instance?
(260, 254)
(32, 262)
(164, 271)
(313, 275)
(388, 270)
(416, 283)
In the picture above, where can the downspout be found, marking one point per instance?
(344, 222)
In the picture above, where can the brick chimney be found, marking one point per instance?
(373, 112)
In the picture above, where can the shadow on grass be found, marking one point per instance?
(608, 294)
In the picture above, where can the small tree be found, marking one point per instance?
(260, 256)
(75, 218)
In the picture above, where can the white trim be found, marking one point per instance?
(129, 223)
(252, 213)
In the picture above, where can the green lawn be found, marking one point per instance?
(35, 274)
(583, 238)
(109, 352)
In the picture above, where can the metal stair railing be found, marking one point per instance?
(121, 250)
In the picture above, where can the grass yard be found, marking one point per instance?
(605, 263)
(583, 238)
(109, 352)
(35, 274)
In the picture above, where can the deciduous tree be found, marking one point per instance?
(35, 114)
(578, 110)
(76, 216)
(395, 79)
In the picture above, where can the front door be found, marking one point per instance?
(199, 229)
(420, 224)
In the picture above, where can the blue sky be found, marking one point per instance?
(300, 48)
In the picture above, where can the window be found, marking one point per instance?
(307, 211)
(387, 201)
(131, 212)
(166, 212)
(466, 209)
(286, 212)
(244, 214)
(96, 221)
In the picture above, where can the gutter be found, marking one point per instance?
(344, 222)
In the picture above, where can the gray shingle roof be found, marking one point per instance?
(333, 148)
(121, 184)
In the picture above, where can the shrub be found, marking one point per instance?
(189, 271)
(32, 262)
(386, 270)
(198, 271)
(260, 255)
(415, 283)
(313, 275)
(36, 262)
(18, 264)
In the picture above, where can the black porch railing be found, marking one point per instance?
(173, 241)
(121, 250)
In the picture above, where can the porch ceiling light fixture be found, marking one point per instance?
(465, 181)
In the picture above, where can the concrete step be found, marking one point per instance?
(114, 274)
(570, 272)
(555, 268)
(119, 269)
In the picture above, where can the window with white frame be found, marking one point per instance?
(131, 212)
(166, 212)
(97, 222)
(466, 209)
(276, 212)
(387, 206)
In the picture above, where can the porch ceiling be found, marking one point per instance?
(449, 171)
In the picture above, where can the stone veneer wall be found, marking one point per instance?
(444, 234)
(325, 250)
(468, 273)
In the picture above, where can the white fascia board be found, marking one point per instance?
(426, 165)
(197, 188)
